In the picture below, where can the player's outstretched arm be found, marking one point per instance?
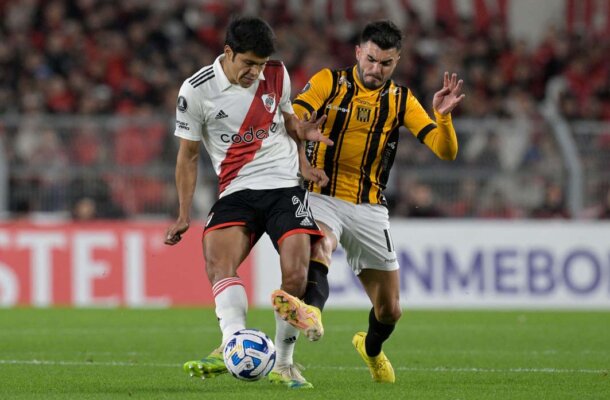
(446, 99)
(186, 180)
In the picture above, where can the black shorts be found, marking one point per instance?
(278, 212)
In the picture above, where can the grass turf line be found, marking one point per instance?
(122, 353)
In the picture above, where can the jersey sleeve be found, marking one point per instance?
(285, 103)
(314, 94)
(189, 114)
(416, 118)
(439, 136)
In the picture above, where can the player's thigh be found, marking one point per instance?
(327, 213)
(224, 250)
(367, 240)
(238, 209)
(232, 228)
(294, 252)
(292, 229)
(294, 260)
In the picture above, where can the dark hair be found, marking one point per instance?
(384, 34)
(250, 34)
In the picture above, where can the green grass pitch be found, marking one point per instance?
(121, 353)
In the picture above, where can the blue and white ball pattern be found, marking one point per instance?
(249, 355)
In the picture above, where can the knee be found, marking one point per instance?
(217, 268)
(389, 314)
(213, 272)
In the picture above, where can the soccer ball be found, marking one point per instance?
(249, 355)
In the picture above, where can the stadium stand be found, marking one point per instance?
(88, 88)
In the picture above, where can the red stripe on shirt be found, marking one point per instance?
(240, 154)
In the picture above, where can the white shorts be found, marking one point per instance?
(362, 229)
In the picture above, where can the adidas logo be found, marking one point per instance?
(221, 114)
(306, 222)
(291, 339)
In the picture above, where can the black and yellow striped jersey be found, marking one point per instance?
(364, 126)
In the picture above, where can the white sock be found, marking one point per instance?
(286, 337)
(231, 306)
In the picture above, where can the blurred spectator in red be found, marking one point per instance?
(87, 147)
(101, 58)
(139, 144)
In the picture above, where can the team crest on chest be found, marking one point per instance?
(269, 101)
(363, 114)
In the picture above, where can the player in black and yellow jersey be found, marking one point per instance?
(364, 110)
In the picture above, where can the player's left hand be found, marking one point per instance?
(174, 233)
(309, 129)
(446, 99)
(315, 175)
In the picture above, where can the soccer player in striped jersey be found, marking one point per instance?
(365, 109)
(240, 108)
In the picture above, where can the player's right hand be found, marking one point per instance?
(310, 129)
(446, 99)
(315, 175)
(174, 233)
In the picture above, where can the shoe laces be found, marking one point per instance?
(381, 365)
(293, 371)
(217, 351)
(312, 311)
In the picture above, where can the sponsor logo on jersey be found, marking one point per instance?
(182, 125)
(306, 87)
(344, 81)
(363, 114)
(393, 91)
(181, 104)
(336, 108)
(269, 102)
(221, 114)
(247, 137)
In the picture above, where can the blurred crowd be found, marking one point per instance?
(93, 58)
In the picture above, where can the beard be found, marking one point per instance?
(369, 85)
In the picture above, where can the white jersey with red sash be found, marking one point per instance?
(242, 129)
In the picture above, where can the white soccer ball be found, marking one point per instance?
(249, 355)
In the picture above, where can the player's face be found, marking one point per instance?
(375, 66)
(243, 68)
